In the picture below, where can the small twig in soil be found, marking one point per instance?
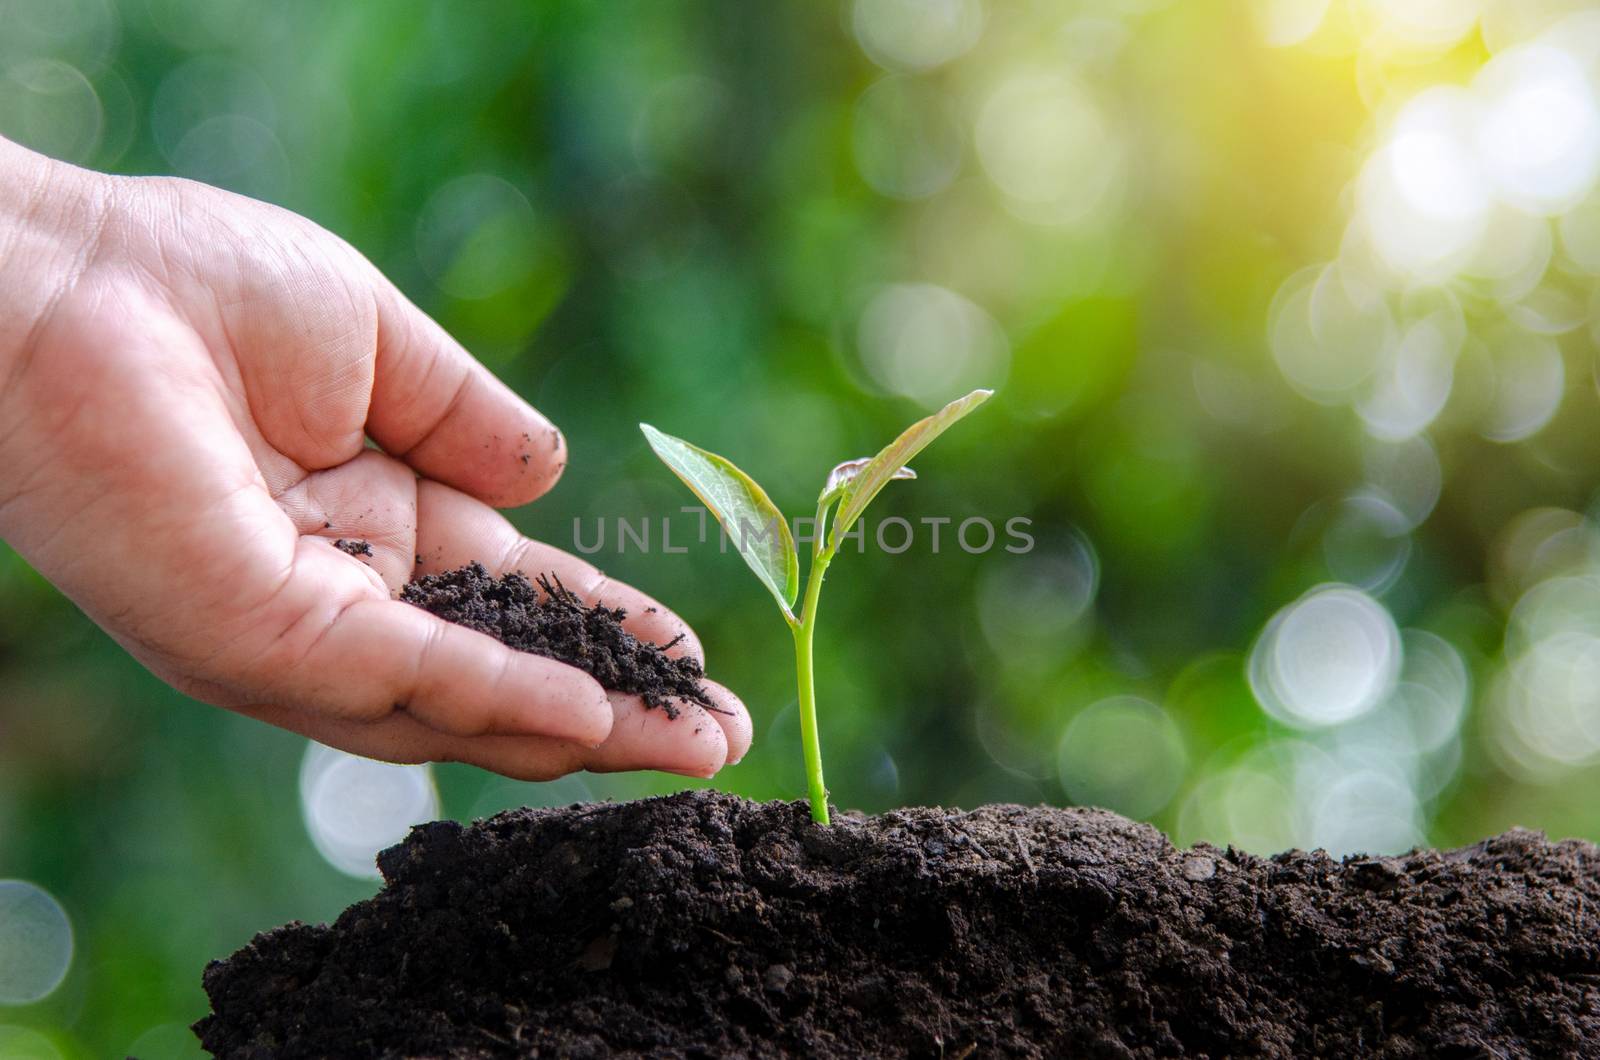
(487, 1033)
(1022, 848)
(975, 845)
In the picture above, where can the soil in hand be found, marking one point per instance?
(703, 925)
(557, 623)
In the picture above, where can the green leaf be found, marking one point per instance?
(752, 521)
(864, 485)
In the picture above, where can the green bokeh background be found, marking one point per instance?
(682, 212)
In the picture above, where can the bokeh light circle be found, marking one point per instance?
(354, 807)
(235, 152)
(503, 793)
(1328, 658)
(1254, 800)
(1364, 811)
(1367, 542)
(1422, 200)
(926, 342)
(1434, 690)
(25, 1043)
(1545, 707)
(203, 88)
(1408, 474)
(168, 1041)
(1580, 234)
(1287, 22)
(1550, 309)
(1530, 381)
(1531, 555)
(1125, 754)
(906, 143)
(1045, 143)
(1329, 329)
(1539, 136)
(1553, 607)
(1411, 388)
(35, 943)
(1425, 24)
(81, 33)
(916, 34)
(477, 236)
(51, 107)
(1035, 607)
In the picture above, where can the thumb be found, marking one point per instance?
(446, 415)
(366, 657)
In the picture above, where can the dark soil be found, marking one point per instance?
(557, 623)
(704, 925)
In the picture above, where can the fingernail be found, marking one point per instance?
(697, 774)
(592, 721)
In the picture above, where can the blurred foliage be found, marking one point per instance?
(786, 230)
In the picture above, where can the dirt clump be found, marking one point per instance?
(549, 619)
(703, 925)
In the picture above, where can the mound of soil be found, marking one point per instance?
(704, 925)
(557, 623)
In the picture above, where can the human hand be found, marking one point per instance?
(186, 381)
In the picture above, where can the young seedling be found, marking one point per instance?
(761, 534)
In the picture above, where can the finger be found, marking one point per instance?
(733, 717)
(692, 744)
(454, 530)
(465, 683)
(373, 654)
(446, 415)
(641, 738)
(402, 739)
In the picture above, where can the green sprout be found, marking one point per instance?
(761, 534)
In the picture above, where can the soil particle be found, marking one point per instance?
(778, 978)
(552, 620)
(354, 548)
(703, 925)
(598, 955)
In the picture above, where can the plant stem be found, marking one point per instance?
(809, 739)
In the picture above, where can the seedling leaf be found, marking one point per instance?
(861, 488)
(846, 473)
(753, 523)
